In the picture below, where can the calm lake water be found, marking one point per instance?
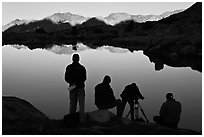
(38, 76)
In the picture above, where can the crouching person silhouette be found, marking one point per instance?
(75, 76)
(131, 94)
(104, 96)
(170, 112)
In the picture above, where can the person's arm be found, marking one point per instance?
(66, 76)
(96, 96)
(111, 92)
(123, 94)
(138, 94)
(69, 75)
(81, 75)
(162, 111)
(180, 108)
(84, 77)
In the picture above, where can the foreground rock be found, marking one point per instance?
(22, 118)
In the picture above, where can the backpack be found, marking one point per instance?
(71, 120)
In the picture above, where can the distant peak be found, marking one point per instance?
(66, 17)
(59, 13)
(17, 20)
(119, 13)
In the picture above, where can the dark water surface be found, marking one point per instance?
(38, 76)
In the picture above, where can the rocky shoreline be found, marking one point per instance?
(20, 117)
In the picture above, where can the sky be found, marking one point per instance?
(39, 10)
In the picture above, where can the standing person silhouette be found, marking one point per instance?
(75, 76)
(170, 112)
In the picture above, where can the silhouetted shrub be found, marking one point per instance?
(198, 44)
(114, 32)
(40, 31)
(74, 30)
(130, 26)
(169, 20)
(98, 30)
(148, 25)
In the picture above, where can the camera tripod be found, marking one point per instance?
(137, 107)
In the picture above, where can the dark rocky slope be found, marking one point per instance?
(19, 117)
(177, 40)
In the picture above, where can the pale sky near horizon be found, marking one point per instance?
(39, 10)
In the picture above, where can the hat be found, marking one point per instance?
(169, 96)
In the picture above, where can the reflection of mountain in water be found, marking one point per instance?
(67, 49)
(114, 49)
(19, 46)
(70, 49)
(175, 40)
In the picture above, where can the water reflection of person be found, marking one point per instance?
(75, 75)
(131, 94)
(170, 112)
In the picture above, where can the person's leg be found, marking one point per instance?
(81, 95)
(158, 119)
(117, 103)
(73, 101)
(171, 125)
(119, 107)
(131, 103)
(124, 101)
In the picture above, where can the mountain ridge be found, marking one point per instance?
(74, 19)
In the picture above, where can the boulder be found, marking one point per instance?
(21, 117)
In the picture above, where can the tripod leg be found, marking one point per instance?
(128, 114)
(132, 109)
(124, 101)
(143, 112)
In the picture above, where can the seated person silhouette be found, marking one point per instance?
(104, 96)
(131, 94)
(170, 112)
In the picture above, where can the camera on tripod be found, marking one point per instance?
(138, 107)
(131, 94)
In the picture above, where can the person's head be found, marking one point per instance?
(75, 58)
(133, 85)
(169, 96)
(107, 79)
